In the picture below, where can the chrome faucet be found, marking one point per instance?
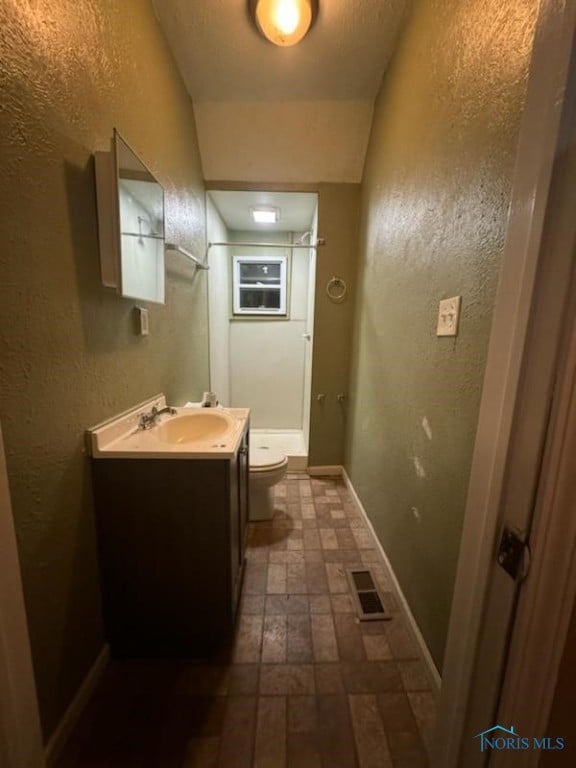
(148, 420)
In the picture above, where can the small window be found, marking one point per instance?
(260, 285)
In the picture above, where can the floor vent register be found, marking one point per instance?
(367, 599)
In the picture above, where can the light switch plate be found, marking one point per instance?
(448, 316)
(142, 321)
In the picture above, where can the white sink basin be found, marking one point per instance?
(202, 425)
(206, 433)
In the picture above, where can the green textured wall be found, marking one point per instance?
(435, 197)
(70, 72)
(338, 211)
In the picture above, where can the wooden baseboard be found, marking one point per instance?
(430, 666)
(330, 470)
(59, 738)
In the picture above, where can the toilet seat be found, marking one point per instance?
(266, 460)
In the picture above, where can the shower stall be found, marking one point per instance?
(261, 305)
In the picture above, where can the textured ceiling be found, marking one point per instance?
(282, 114)
(296, 210)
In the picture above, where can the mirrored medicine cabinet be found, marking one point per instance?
(130, 224)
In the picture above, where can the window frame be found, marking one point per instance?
(237, 286)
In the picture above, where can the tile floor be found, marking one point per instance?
(304, 684)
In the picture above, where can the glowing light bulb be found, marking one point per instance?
(283, 22)
(286, 17)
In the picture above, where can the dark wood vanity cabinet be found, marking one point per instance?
(171, 537)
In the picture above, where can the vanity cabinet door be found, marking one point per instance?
(243, 491)
(235, 549)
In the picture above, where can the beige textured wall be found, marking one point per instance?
(435, 197)
(71, 71)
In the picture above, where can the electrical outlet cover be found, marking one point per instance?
(448, 316)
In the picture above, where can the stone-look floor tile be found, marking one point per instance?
(243, 679)
(299, 638)
(349, 638)
(328, 678)
(255, 578)
(295, 545)
(363, 538)
(252, 604)
(296, 579)
(382, 576)
(286, 557)
(400, 639)
(248, 639)
(407, 749)
(414, 675)
(337, 580)
(356, 521)
(292, 491)
(342, 604)
(346, 539)
(319, 604)
(276, 583)
(202, 753)
(302, 714)
(309, 524)
(313, 556)
(236, 742)
(257, 555)
(331, 523)
(347, 557)
(270, 746)
(390, 602)
(371, 743)
(274, 640)
(370, 556)
(337, 514)
(316, 578)
(332, 492)
(287, 679)
(280, 490)
(425, 711)
(279, 605)
(371, 676)
(311, 538)
(335, 733)
(308, 512)
(303, 751)
(377, 647)
(396, 712)
(323, 638)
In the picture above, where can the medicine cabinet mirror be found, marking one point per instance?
(130, 224)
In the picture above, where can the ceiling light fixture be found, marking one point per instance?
(268, 215)
(283, 22)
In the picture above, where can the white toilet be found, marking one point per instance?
(267, 467)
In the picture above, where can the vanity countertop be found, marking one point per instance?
(121, 438)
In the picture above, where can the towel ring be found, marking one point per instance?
(336, 289)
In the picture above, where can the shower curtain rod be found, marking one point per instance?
(320, 241)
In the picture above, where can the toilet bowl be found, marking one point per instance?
(267, 467)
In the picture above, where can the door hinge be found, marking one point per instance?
(514, 555)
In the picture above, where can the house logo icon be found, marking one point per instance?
(497, 737)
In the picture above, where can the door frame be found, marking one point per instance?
(464, 686)
(20, 732)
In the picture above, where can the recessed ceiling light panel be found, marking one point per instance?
(265, 214)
